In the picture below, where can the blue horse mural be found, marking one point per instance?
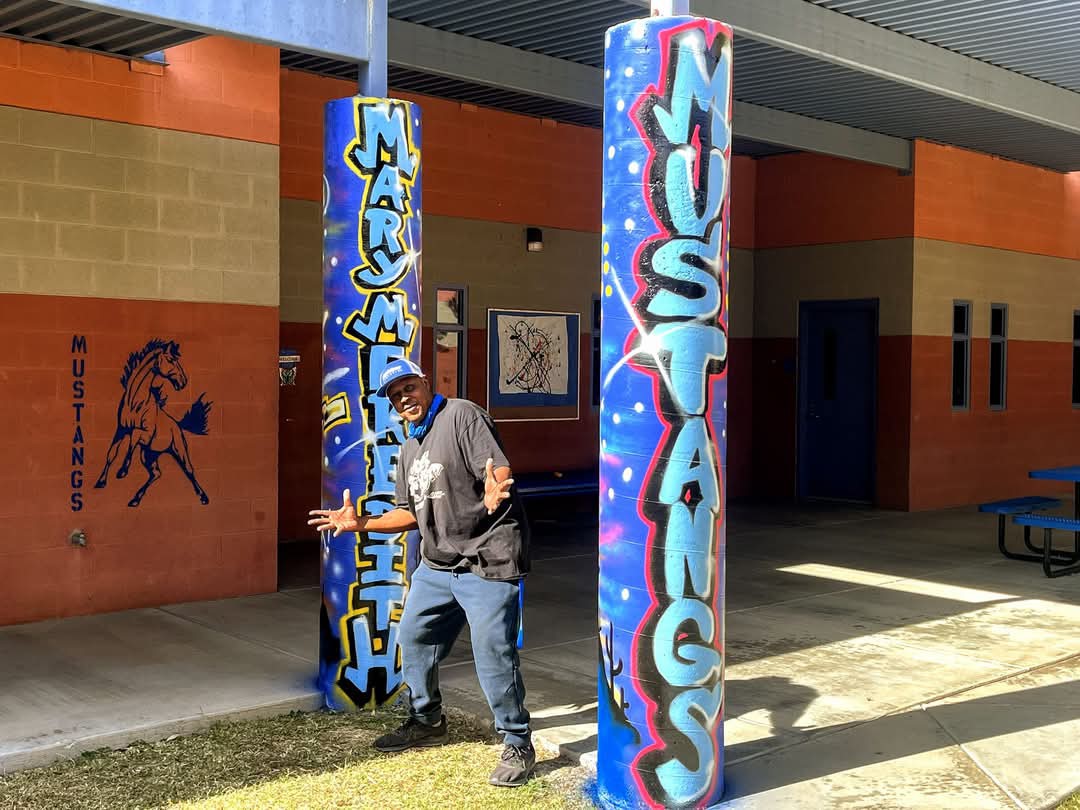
(143, 424)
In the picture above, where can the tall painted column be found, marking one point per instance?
(371, 294)
(667, 151)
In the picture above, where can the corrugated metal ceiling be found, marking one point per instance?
(776, 78)
(772, 77)
(1038, 38)
(57, 24)
(471, 93)
(566, 29)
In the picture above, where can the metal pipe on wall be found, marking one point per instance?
(667, 151)
(371, 294)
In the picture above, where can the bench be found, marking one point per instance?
(572, 482)
(1070, 562)
(1019, 506)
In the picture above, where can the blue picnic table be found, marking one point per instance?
(1048, 523)
(1063, 474)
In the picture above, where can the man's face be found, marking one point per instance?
(411, 397)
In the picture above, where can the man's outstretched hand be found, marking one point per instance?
(338, 520)
(495, 492)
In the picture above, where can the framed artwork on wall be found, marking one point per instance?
(533, 360)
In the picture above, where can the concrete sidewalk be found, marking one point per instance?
(874, 660)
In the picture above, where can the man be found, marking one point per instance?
(454, 485)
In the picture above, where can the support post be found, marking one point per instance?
(372, 73)
(667, 153)
(371, 295)
(670, 8)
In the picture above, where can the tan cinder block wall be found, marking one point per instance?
(301, 261)
(487, 257)
(490, 259)
(97, 208)
(879, 269)
(1042, 291)
(741, 293)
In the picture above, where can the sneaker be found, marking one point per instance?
(515, 766)
(413, 733)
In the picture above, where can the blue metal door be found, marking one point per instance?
(837, 399)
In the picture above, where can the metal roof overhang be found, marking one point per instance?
(792, 56)
(441, 63)
(1038, 38)
(337, 29)
(856, 78)
(102, 32)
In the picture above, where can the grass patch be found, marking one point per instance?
(301, 760)
(1072, 803)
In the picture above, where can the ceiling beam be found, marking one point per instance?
(812, 135)
(441, 53)
(818, 32)
(336, 29)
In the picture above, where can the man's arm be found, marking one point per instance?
(392, 522)
(345, 519)
(497, 483)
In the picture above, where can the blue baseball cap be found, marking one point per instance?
(394, 371)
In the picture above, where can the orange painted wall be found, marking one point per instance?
(744, 174)
(300, 432)
(774, 465)
(482, 163)
(964, 457)
(477, 162)
(808, 199)
(214, 86)
(976, 199)
(894, 422)
(171, 548)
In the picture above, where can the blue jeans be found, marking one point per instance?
(437, 605)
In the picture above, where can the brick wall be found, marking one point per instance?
(119, 228)
(992, 231)
(113, 210)
(214, 85)
(517, 171)
(301, 262)
(829, 229)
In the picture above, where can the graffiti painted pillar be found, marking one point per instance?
(371, 295)
(667, 147)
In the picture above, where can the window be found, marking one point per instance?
(450, 341)
(999, 332)
(1076, 359)
(596, 351)
(961, 355)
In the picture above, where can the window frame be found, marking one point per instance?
(1076, 366)
(461, 328)
(1003, 341)
(965, 338)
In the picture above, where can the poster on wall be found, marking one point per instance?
(532, 365)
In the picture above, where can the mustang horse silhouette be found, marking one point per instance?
(143, 423)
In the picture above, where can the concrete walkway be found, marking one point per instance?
(875, 660)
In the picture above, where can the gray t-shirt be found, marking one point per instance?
(440, 481)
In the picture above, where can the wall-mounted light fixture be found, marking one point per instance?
(534, 240)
